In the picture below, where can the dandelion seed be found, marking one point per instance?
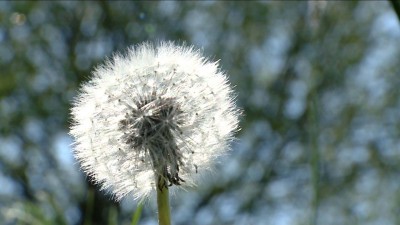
(159, 112)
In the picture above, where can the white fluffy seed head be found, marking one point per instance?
(158, 112)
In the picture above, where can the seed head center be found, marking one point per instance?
(151, 127)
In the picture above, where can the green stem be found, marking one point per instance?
(164, 217)
(315, 158)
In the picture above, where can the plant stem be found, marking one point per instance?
(315, 158)
(164, 217)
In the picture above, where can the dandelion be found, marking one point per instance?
(152, 119)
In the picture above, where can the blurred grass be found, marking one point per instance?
(138, 212)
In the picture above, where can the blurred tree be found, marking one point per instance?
(318, 82)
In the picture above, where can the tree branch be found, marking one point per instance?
(396, 7)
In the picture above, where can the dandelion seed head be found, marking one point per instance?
(158, 112)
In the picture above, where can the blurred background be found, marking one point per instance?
(318, 83)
